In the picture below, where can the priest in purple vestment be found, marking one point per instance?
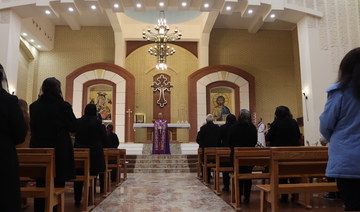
(161, 143)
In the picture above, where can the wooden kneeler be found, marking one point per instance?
(107, 176)
(82, 161)
(40, 163)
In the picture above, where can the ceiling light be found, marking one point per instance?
(272, 16)
(184, 4)
(206, 5)
(161, 4)
(71, 9)
(250, 11)
(47, 12)
(93, 7)
(24, 34)
(228, 8)
(116, 5)
(38, 46)
(138, 5)
(32, 40)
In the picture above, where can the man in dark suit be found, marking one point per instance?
(12, 132)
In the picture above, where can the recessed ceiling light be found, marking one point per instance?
(272, 16)
(71, 9)
(47, 12)
(138, 5)
(228, 8)
(184, 4)
(38, 46)
(116, 5)
(32, 40)
(250, 11)
(93, 7)
(206, 5)
(161, 4)
(24, 34)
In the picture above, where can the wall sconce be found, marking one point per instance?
(12, 90)
(305, 92)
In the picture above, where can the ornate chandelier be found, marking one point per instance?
(161, 50)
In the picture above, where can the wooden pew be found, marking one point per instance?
(114, 156)
(123, 162)
(303, 162)
(107, 176)
(199, 164)
(40, 163)
(247, 156)
(209, 161)
(82, 161)
(222, 157)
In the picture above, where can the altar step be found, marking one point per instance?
(161, 163)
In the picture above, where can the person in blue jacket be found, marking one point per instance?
(340, 125)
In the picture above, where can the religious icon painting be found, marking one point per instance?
(139, 118)
(221, 102)
(102, 96)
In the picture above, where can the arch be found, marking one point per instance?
(125, 92)
(207, 75)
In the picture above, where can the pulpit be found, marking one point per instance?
(172, 129)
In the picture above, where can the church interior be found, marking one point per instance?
(218, 55)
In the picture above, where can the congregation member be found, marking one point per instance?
(208, 136)
(340, 124)
(51, 122)
(24, 107)
(284, 131)
(243, 134)
(224, 142)
(112, 140)
(12, 132)
(90, 134)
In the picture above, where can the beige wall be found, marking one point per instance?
(73, 49)
(141, 64)
(270, 57)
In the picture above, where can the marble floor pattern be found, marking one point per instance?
(164, 192)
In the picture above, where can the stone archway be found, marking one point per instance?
(207, 75)
(125, 91)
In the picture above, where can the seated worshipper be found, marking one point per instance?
(90, 134)
(224, 131)
(208, 136)
(51, 121)
(161, 143)
(12, 132)
(112, 140)
(243, 134)
(284, 131)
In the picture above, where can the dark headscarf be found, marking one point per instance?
(90, 110)
(3, 81)
(230, 119)
(283, 112)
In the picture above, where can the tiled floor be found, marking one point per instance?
(180, 192)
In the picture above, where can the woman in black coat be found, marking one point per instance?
(90, 134)
(243, 134)
(51, 122)
(12, 132)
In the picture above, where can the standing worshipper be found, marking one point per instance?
(340, 124)
(224, 132)
(51, 122)
(243, 134)
(261, 133)
(284, 131)
(12, 131)
(90, 134)
(161, 144)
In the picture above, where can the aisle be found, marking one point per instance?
(162, 192)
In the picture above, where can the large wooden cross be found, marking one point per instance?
(161, 84)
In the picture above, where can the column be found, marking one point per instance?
(10, 29)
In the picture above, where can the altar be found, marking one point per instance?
(172, 129)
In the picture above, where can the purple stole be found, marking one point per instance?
(161, 138)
